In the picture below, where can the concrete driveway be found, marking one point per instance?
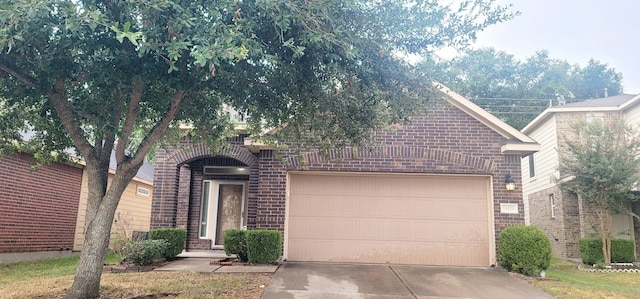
(325, 280)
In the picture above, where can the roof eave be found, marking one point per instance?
(522, 149)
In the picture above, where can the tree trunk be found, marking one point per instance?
(604, 218)
(100, 214)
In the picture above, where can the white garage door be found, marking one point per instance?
(400, 219)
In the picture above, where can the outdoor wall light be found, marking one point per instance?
(509, 183)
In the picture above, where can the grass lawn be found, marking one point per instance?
(51, 278)
(572, 283)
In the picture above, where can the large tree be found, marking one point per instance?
(599, 162)
(116, 76)
(517, 91)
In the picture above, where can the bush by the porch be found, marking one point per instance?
(235, 242)
(264, 246)
(145, 252)
(622, 251)
(524, 249)
(175, 238)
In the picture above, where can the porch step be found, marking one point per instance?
(214, 253)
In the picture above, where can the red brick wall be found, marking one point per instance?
(38, 209)
(447, 141)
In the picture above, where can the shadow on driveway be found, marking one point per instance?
(326, 280)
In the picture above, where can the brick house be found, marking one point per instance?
(42, 210)
(429, 192)
(560, 214)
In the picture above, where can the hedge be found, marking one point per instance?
(145, 252)
(176, 238)
(235, 242)
(263, 246)
(524, 249)
(622, 251)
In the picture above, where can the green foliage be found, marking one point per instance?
(145, 252)
(122, 76)
(517, 91)
(175, 237)
(524, 249)
(602, 159)
(264, 246)
(622, 251)
(235, 242)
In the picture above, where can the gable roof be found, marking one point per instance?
(615, 103)
(517, 142)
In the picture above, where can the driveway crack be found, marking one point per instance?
(404, 283)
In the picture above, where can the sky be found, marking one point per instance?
(573, 30)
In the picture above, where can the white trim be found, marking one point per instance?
(202, 196)
(564, 109)
(214, 201)
(147, 190)
(520, 148)
(482, 115)
(492, 224)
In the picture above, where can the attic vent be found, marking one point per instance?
(232, 170)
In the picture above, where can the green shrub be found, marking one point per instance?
(235, 242)
(264, 246)
(176, 238)
(524, 249)
(622, 251)
(144, 252)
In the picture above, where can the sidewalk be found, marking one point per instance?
(200, 261)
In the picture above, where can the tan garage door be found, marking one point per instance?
(400, 219)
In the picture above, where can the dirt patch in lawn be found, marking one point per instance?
(149, 285)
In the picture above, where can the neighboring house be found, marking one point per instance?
(134, 209)
(560, 214)
(42, 209)
(429, 192)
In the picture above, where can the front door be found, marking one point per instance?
(229, 209)
(222, 208)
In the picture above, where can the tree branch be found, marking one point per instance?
(130, 120)
(158, 130)
(13, 71)
(57, 97)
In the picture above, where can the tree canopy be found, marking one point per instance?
(117, 76)
(599, 162)
(517, 91)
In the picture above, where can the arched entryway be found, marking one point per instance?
(204, 192)
(218, 199)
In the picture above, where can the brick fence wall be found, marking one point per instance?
(38, 208)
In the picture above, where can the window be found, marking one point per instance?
(552, 203)
(532, 168)
(204, 209)
(595, 117)
(142, 191)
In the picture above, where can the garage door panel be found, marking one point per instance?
(394, 253)
(405, 186)
(392, 230)
(393, 207)
(412, 219)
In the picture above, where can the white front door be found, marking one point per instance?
(222, 208)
